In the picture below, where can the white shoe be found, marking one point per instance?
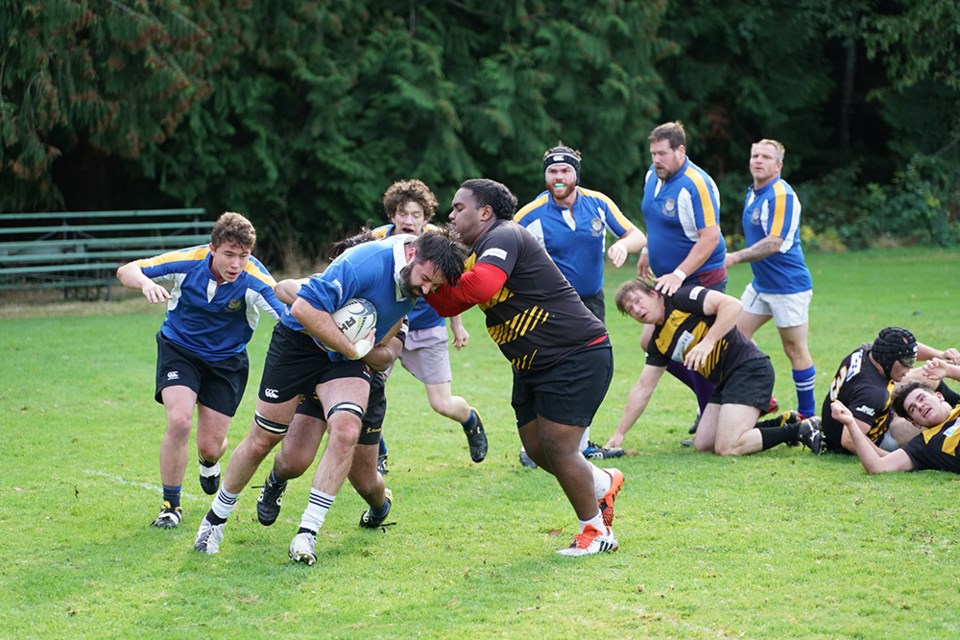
(209, 537)
(591, 540)
(301, 548)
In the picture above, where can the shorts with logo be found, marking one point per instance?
(219, 385)
(570, 392)
(426, 355)
(371, 425)
(295, 365)
(751, 383)
(787, 309)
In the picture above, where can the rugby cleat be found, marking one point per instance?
(382, 464)
(810, 435)
(606, 502)
(169, 517)
(302, 548)
(268, 503)
(591, 540)
(370, 521)
(210, 478)
(596, 452)
(209, 537)
(477, 439)
(526, 460)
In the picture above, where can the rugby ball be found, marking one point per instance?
(356, 318)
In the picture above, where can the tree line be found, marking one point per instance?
(300, 113)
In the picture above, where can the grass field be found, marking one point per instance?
(777, 545)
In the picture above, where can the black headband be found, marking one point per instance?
(562, 157)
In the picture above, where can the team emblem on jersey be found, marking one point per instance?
(596, 227)
(234, 304)
(755, 216)
(669, 208)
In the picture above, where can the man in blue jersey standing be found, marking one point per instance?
(218, 291)
(571, 224)
(782, 287)
(308, 353)
(681, 209)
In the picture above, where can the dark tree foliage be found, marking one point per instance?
(300, 113)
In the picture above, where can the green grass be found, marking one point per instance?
(777, 545)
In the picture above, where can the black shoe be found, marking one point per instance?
(810, 436)
(368, 521)
(477, 439)
(382, 465)
(210, 483)
(693, 427)
(596, 452)
(169, 517)
(268, 504)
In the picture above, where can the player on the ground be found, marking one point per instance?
(864, 383)
(697, 327)
(559, 351)
(935, 447)
(214, 304)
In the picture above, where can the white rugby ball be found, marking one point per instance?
(356, 318)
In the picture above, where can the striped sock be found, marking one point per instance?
(316, 511)
(804, 382)
(224, 503)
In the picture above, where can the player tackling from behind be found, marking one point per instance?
(391, 274)
(213, 307)
(560, 352)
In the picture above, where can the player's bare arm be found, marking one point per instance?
(758, 251)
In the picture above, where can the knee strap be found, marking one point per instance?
(349, 407)
(270, 426)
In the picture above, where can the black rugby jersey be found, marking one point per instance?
(685, 324)
(936, 447)
(536, 318)
(863, 390)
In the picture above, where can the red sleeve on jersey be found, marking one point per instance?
(477, 285)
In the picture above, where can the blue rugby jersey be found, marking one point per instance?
(371, 271)
(674, 211)
(214, 321)
(775, 210)
(575, 238)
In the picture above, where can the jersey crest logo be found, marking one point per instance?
(234, 305)
(755, 216)
(596, 227)
(669, 208)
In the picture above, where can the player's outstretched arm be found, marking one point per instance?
(132, 277)
(637, 401)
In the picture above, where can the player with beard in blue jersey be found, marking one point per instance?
(309, 354)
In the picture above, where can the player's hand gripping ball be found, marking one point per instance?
(357, 319)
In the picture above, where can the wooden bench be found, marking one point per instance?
(80, 251)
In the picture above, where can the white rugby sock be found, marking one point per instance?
(601, 481)
(316, 511)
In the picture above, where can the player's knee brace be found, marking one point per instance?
(270, 426)
(349, 407)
